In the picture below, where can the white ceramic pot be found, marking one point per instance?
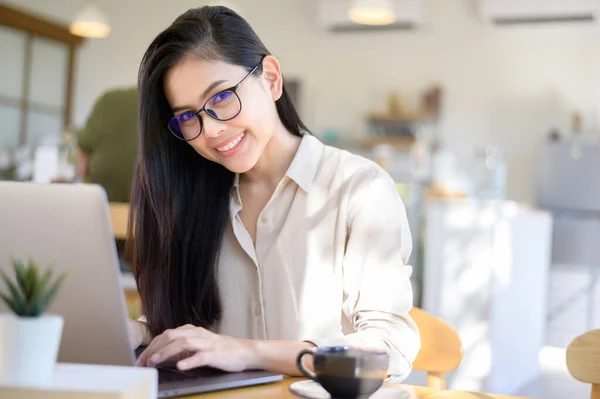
(28, 348)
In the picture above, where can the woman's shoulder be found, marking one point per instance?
(351, 166)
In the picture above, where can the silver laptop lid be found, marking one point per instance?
(68, 225)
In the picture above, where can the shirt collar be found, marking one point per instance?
(302, 170)
(304, 166)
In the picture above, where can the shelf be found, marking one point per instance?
(407, 118)
(399, 142)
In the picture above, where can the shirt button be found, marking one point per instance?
(264, 219)
(257, 311)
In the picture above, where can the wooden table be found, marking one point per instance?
(280, 390)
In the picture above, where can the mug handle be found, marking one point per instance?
(301, 367)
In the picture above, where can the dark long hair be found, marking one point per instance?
(180, 200)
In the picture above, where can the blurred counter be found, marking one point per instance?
(486, 266)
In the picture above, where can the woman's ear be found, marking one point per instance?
(272, 75)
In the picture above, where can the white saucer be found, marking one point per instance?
(312, 390)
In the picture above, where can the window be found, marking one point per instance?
(35, 80)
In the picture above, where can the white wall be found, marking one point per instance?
(502, 86)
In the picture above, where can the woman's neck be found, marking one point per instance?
(275, 159)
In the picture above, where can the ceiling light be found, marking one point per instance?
(90, 22)
(372, 12)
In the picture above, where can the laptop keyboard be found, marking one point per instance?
(171, 374)
(166, 375)
(174, 375)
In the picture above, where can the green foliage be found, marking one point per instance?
(32, 291)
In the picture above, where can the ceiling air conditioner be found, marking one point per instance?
(519, 12)
(332, 16)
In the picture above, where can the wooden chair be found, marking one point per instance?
(441, 349)
(583, 360)
(119, 216)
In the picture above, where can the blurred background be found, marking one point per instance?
(485, 112)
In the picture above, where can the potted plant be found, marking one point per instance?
(29, 338)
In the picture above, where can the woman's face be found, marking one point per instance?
(237, 143)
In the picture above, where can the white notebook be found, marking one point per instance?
(104, 382)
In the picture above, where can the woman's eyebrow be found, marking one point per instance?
(204, 94)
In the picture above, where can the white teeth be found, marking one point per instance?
(231, 145)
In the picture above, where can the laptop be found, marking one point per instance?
(68, 225)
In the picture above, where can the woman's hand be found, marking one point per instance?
(197, 347)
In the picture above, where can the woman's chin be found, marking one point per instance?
(239, 165)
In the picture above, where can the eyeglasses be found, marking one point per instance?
(223, 106)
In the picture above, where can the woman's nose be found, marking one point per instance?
(212, 127)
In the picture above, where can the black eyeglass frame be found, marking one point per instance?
(197, 113)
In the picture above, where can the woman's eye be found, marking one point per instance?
(186, 116)
(220, 97)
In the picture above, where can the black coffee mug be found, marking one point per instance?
(346, 372)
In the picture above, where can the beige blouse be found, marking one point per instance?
(329, 265)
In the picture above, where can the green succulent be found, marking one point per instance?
(33, 291)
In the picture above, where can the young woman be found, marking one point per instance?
(252, 240)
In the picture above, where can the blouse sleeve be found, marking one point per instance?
(377, 288)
